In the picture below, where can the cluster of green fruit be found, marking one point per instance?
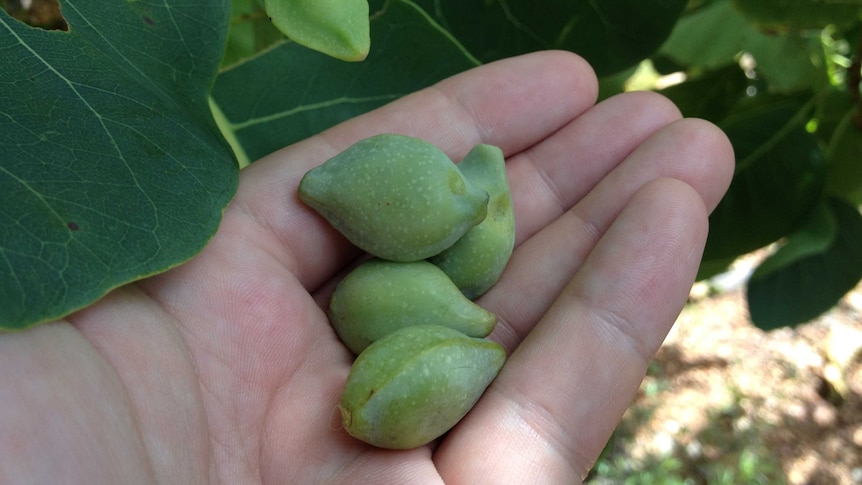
(440, 235)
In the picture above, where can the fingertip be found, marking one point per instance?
(711, 156)
(718, 151)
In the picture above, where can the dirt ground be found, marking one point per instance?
(766, 407)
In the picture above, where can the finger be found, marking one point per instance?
(548, 178)
(693, 151)
(142, 345)
(512, 104)
(564, 389)
(64, 413)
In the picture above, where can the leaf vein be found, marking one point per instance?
(311, 107)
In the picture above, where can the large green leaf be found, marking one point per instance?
(111, 167)
(844, 176)
(799, 14)
(811, 272)
(787, 62)
(815, 236)
(610, 35)
(779, 179)
(289, 92)
(709, 37)
(715, 35)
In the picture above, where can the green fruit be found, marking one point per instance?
(410, 387)
(477, 260)
(380, 297)
(338, 28)
(397, 197)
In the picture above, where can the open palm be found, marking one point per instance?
(225, 369)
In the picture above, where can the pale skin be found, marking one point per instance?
(225, 369)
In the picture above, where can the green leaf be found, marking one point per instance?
(289, 93)
(844, 174)
(834, 106)
(710, 96)
(614, 84)
(250, 31)
(713, 267)
(714, 36)
(611, 36)
(809, 277)
(779, 179)
(786, 61)
(814, 236)
(111, 168)
(710, 37)
(799, 14)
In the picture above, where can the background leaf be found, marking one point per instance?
(111, 167)
(778, 181)
(715, 35)
(798, 14)
(712, 95)
(815, 236)
(289, 92)
(709, 37)
(786, 62)
(250, 31)
(809, 283)
(844, 178)
(610, 35)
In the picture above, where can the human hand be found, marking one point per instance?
(225, 369)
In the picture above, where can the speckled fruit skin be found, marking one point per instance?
(410, 387)
(476, 261)
(397, 197)
(379, 297)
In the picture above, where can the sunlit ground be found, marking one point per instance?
(726, 403)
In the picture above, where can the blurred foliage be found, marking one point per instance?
(781, 77)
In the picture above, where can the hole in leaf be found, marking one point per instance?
(43, 14)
